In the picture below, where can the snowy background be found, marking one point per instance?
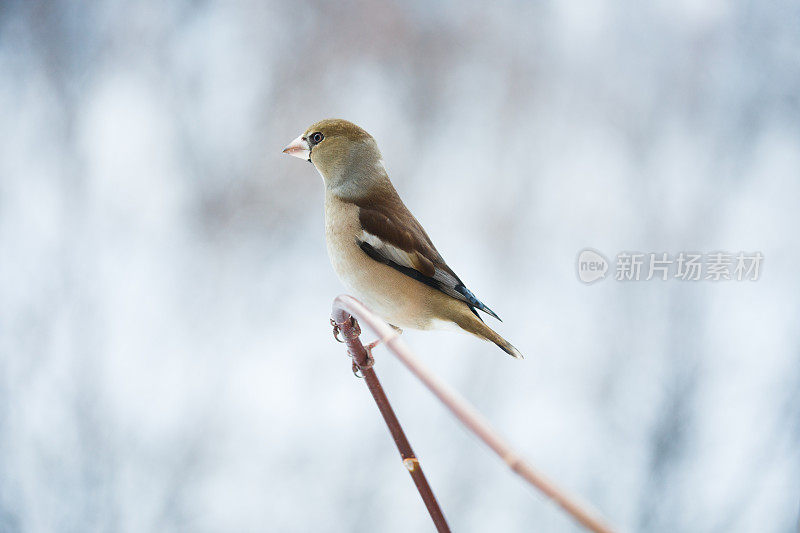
(166, 362)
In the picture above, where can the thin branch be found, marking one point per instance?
(346, 306)
(362, 361)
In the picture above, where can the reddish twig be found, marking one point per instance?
(345, 324)
(347, 307)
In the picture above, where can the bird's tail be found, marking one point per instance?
(470, 323)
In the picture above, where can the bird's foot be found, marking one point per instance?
(356, 331)
(371, 345)
(369, 360)
(336, 330)
(375, 343)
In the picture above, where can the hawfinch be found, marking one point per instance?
(378, 249)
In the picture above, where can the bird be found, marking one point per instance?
(377, 247)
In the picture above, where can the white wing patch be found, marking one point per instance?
(387, 250)
(445, 281)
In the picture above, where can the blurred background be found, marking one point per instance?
(166, 362)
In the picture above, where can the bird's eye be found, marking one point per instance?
(317, 137)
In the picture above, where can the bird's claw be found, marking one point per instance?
(336, 329)
(357, 369)
(372, 345)
(354, 333)
(356, 327)
(368, 347)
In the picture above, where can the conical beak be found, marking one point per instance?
(299, 148)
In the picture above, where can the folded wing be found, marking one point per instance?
(394, 237)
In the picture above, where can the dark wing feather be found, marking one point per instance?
(391, 235)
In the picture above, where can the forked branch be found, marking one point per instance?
(345, 309)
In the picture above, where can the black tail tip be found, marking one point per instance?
(490, 313)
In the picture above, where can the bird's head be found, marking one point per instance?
(345, 155)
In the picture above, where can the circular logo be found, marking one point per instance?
(592, 266)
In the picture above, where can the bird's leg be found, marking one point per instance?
(375, 343)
